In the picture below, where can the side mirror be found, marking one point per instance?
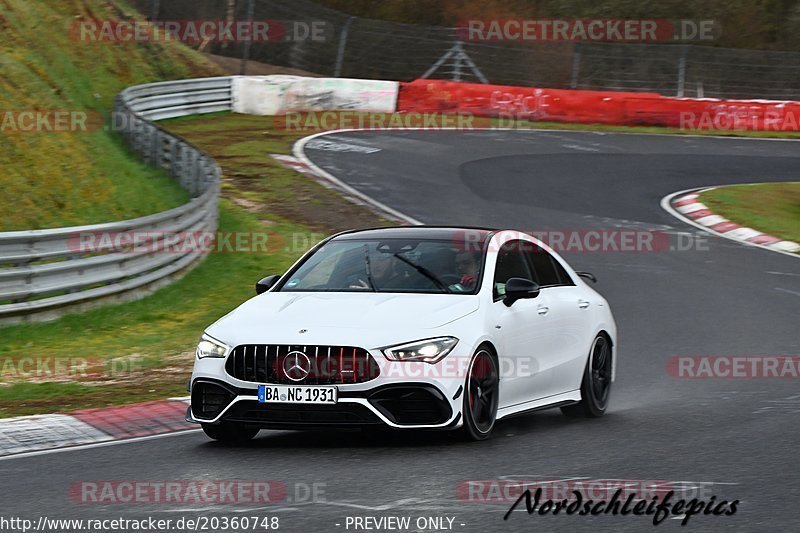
(518, 289)
(267, 283)
(587, 275)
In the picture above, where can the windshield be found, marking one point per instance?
(389, 265)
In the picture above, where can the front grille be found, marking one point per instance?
(209, 399)
(301, 365)
(298, 415)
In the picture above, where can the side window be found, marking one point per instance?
(511, 263)
(548, 271)
(562, 274)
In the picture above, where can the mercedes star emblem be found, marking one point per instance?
(296, 366)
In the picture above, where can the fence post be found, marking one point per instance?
(155, 7)
(337, 71)
(246, 47)
(457, 63)
(682, 71)
(576, 66)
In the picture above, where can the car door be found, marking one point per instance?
(568, 322)
(526, 337)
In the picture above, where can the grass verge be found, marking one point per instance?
(773, 208)
(81, 174)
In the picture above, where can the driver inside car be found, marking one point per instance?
(384, 272)
(467, 269)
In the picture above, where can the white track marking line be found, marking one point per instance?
(788, 291)
(578, 132)
(97, 445)
(299, 153)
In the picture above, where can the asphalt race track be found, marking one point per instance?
(735, 439)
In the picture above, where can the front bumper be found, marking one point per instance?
(394, 405)
(402, 395)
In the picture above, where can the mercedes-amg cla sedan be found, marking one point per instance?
(408, 328)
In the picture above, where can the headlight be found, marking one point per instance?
(208, 347)
(427, 350)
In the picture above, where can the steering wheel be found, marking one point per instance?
(450, 279)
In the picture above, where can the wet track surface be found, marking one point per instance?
(733, 438)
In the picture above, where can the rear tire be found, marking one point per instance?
(481, 396)
(596, 384)
(229, 432)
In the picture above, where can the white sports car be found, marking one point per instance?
(408, 328)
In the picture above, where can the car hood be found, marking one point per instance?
(365, 319)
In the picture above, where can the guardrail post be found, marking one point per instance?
(182, 172)
(195, 172)
(207, 174)
(144, 148)
(135, 134)
(173, 156)
(155, 142)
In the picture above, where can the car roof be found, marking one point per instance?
(417, 232)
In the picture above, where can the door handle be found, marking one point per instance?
(542, 309)
(583, 304)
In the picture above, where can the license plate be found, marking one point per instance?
(297, 394)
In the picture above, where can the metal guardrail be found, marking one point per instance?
(45, 270)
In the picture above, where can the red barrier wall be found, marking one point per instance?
(596, 107)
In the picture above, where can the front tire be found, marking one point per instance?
(230, 433)
(481, 396)
(596, 384)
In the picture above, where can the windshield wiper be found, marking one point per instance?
(369, 268)
(425, 272)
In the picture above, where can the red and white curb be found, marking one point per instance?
(686, 206)
(293, 163)
(35, 433)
